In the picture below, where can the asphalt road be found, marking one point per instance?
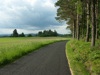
(49, 60)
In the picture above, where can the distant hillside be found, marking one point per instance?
(5, 35)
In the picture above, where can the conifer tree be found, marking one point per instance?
(88, 20)
(15, 34)
(93, 22)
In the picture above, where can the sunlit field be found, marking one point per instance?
(13, 48)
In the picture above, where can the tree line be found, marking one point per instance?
(47, 33)
(82, 16)
(15, 34)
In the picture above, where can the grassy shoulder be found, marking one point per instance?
(14, 48)
(83, 59)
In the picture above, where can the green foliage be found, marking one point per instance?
(66, 11)
(13, 48)
(80, 52)
(15, 34)
(47, 33)
(66, 35)
(79, 7)
(29, 35)
(22, 35)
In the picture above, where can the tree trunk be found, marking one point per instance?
(97, 26)
(83, 21)
(82, 26)
(76, 31)
(77, 26)
(93, 23)
(88, 21)
(73, 29)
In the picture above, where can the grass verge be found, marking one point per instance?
(83, 59)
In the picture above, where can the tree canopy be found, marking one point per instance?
(82, 16)
(15, 33)
(47, 33)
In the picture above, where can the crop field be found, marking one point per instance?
(13, 48)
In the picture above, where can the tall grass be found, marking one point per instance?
(84, 59)
(13, 48)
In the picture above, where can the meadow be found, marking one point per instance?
(14, 48)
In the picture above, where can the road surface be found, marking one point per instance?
(49, 60)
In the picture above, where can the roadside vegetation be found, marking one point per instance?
(14, 48)
(83, 59)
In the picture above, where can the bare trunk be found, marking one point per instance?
(77, 26)
(83, 16)
(82, 26)
(88, 21)
(73, 29)
(97, 27)
(93, 23)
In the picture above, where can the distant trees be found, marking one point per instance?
(15, 34)
(66, 35)
(82, 16)
(22, 35)
(47, 33)
(29, 35)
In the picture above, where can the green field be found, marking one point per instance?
(13, 48)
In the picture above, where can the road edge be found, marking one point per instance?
(68, 62)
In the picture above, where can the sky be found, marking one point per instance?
(29, 16)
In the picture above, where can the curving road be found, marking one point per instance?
(49, 60)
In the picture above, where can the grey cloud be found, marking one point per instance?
(23, 15)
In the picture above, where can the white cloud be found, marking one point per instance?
(60, 29)
(48, 3)
(32, 2)
(6, 31)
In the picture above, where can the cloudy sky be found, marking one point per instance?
(29, 16)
